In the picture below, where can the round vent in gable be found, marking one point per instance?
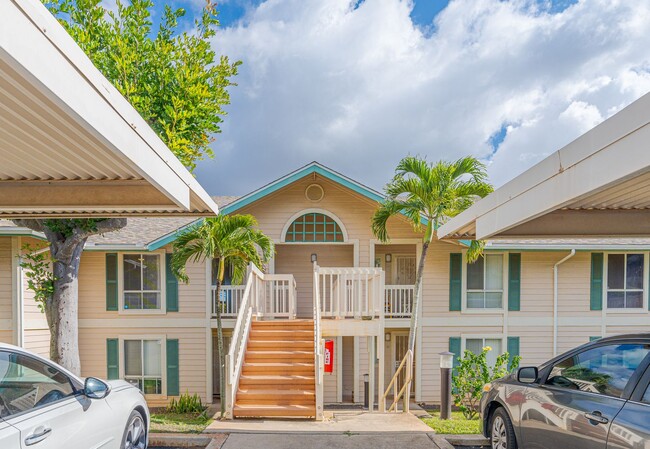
(314, 193)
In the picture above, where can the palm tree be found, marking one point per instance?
(430, 193)
(229, 240)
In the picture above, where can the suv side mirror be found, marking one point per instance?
(527, 375)
(95, 388)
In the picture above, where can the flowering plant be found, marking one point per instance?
(472, 373)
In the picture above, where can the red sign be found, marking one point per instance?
(329, 356)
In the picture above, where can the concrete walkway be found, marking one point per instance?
(335, 422)
(329, 441)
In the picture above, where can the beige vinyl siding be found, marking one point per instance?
(36, 332)
(296, 260)
(354, 210)
(6, 309)
(191, 353)
(38, 341)
(189, 325)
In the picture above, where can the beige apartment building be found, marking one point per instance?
(137, 322)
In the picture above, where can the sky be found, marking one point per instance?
(357, 85)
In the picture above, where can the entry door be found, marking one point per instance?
(216, 377)
(405, 270)
(400, 346)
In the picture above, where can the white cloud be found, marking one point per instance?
(357, 89)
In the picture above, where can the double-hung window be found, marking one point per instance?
(476, 345)
(625, 281)
(141, 285)
(485, 282)
(143, 365)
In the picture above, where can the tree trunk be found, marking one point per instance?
(62, 310)
(67, 238)
(222, 356)
(415, 311)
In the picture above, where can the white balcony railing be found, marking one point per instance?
(399, 300)
(276, 298)
(230, 300)
(350, 292)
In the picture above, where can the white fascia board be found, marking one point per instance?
(565, 247)
(34, 43)
(611, 152)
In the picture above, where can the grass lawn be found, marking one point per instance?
(457, 425)
(179, 422)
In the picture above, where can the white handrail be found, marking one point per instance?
(235, 357)
(318, 348)
(351, 292)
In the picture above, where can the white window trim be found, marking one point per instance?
(163, 359)
(163, 286)
(504, 298)
(646, 270)
(465, 337)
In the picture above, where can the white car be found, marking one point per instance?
(43, 406)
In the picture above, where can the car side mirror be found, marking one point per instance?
(527, 375)
(95, 388)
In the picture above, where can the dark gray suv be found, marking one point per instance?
(593, 397)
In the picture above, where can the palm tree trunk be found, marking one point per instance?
(415, 311)
(222, 356)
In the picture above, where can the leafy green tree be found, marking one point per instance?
(473, 373)
(428, 194)
(176, 82)
(230, 241)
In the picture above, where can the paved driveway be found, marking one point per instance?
(329, 441)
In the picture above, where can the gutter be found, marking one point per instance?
(555, 297)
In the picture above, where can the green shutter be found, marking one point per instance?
(454, 346)
(596, 296)
(172, 368)
(513, 349)
(514, 281)
(111, 281)
(112, 358)
(171, 291)
(455, 280)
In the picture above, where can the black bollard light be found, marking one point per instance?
(446, 365)
(366, 391)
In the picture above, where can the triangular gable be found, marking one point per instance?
(294, 176)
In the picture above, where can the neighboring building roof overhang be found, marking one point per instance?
(71, 144)
(596, 186)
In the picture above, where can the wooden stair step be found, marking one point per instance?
(283, 324)
(282, 334)
(263, 354)
(281, 344)
(278, 368)
(280, 397)
(276, 380)
(251, 411)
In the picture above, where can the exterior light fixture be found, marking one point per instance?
(314, 257)
(389, 257)
(388, 336)
(446, 365)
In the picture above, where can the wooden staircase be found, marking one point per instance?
(277, 377)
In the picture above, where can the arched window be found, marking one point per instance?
(314, 227)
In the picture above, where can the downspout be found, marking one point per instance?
(555, 298)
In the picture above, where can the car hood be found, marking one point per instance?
(119, 384)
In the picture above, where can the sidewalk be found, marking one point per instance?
(337, 421)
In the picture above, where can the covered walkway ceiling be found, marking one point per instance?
(70, 144)
(597, 186)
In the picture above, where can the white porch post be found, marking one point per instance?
(371, 372)
(380, 383)
(357, 396)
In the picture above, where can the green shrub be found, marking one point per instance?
(471, 375)
(186, 403)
